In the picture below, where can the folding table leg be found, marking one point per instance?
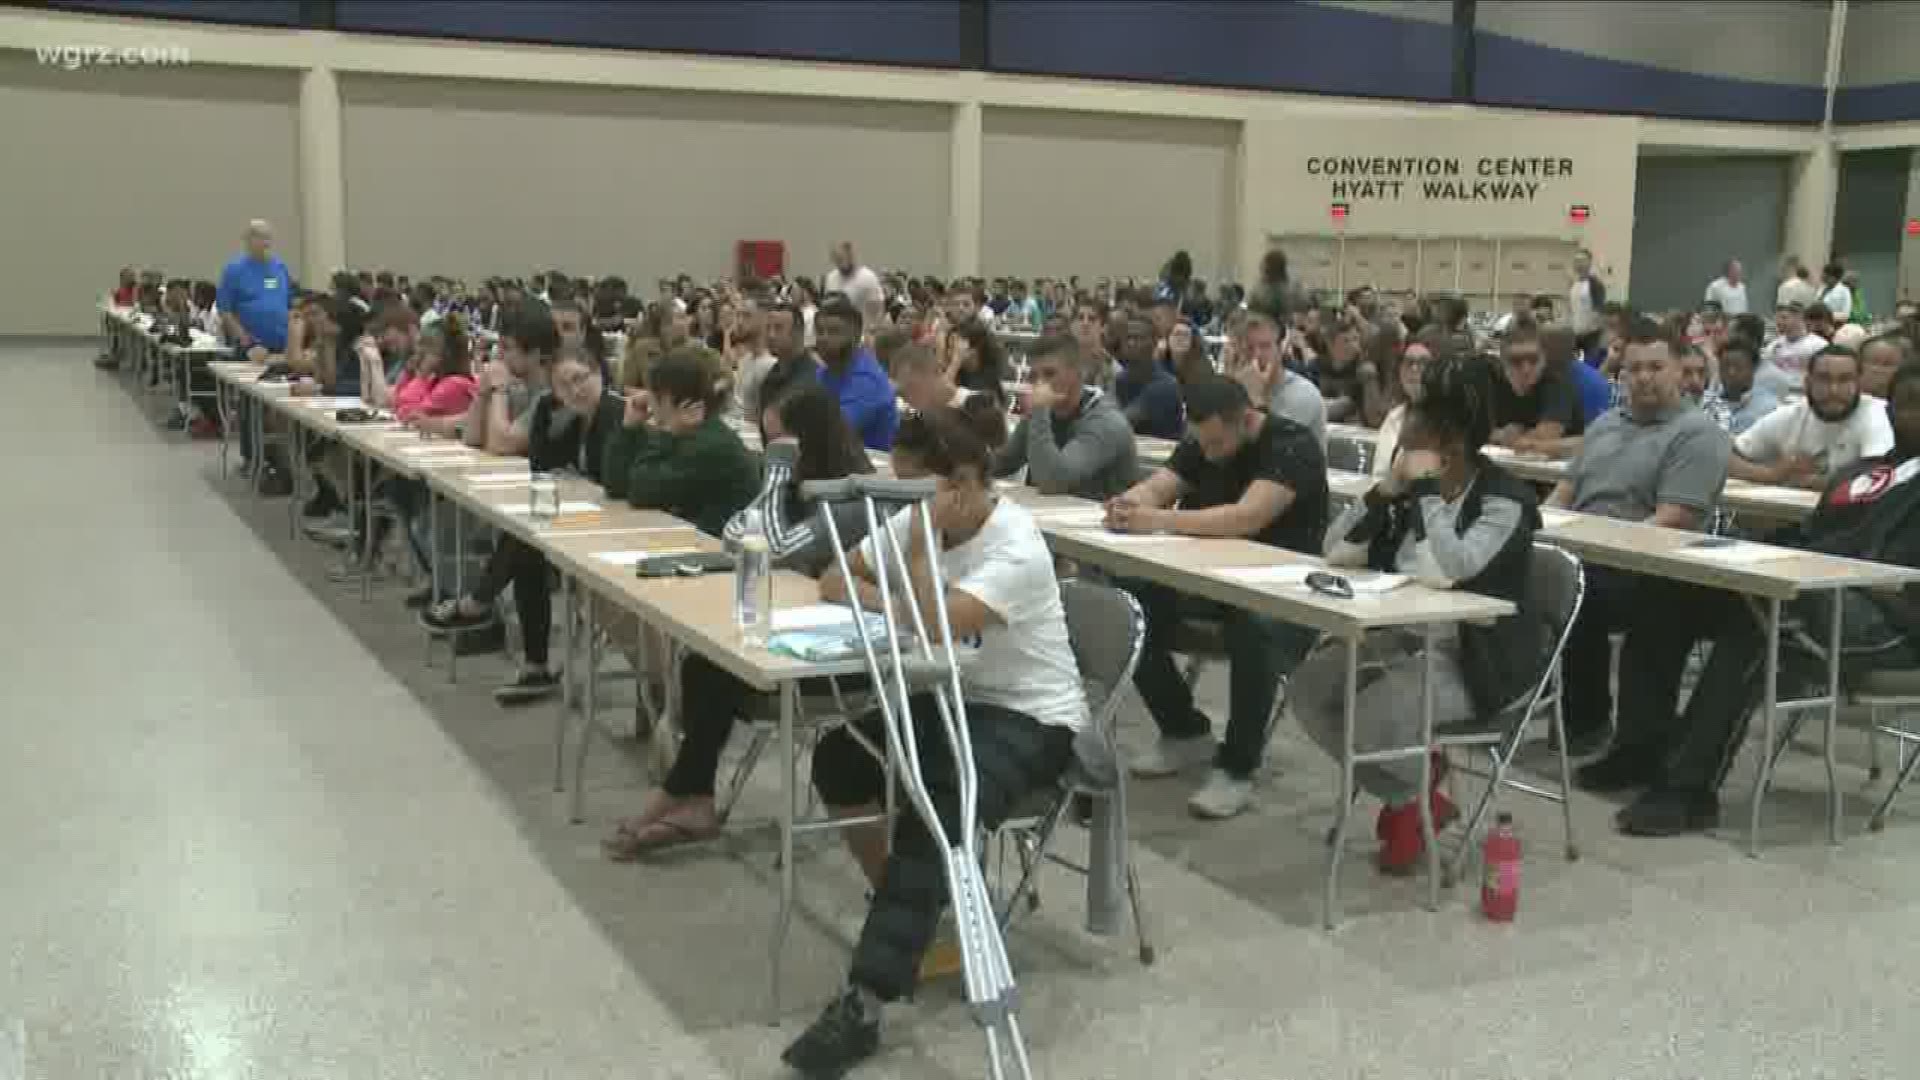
(1768, 702)
(1330, 900)
(1836, 810)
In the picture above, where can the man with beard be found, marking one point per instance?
(1656, 459)
(849, 371)
(1869, 510)
(1809, 441)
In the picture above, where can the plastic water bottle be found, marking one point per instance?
(753, 583)
(1500, 855)
(543, 498)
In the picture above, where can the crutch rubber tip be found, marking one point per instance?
(1147, 955)
(1573, 853)
(1877, 823)
(1873, 773)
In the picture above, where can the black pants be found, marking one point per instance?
(710, 701)
(1013, 754)
(523, 567)
(1650, 670)
(1698, 747)
(1260, 652)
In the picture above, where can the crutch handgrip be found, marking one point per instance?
(892, 489)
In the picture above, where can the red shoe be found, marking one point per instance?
(1439, 765)
(1401, 844)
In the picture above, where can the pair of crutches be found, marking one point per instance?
(909, 656)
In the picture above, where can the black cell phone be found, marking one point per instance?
(1330, 585)
(684, 565)
(1714, 542)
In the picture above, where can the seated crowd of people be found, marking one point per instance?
(1652, 414)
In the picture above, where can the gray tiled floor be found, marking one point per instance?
(248, 834)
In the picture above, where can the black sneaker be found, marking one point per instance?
(1669, 813)
(275, 484)
(843, 1037)
(529, 685)
(448, 616)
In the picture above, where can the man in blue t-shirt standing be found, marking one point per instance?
(254, 295)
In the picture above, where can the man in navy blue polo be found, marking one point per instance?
(254, 295)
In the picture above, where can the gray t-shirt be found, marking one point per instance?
(1627, 467)
(520, 402)
(1299, 401)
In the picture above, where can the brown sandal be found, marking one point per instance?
(628, 844)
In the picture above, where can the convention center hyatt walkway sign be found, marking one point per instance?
(1443, 173)
(1489, 179)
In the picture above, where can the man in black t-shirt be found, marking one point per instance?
(1239, 473)
(1535, 405)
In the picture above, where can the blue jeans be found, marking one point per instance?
(1261, 652)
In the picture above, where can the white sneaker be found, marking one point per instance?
(1222, 796)
(1170, 757)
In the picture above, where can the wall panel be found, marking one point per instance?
(150, 166)
(920, 32)
(476, 178)
(1069, 193)
(1691, 214)
(1313, 48)
(1754, 60)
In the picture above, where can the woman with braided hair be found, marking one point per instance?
(1449, 518)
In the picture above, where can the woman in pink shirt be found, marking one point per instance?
(432, 398)
(438, 386)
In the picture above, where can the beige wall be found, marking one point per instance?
(153, 166)
(1592, 159)
(642, 162)
(471, 178)
(1078, 193)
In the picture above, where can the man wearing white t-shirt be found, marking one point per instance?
(1729, 290)
(1803, 444)
(1586, 298)
(1783, 361)
(1835, 295)
(1024, 704)
(1795, 288)
(860, 284)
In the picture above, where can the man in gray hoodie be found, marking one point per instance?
(1073, 440)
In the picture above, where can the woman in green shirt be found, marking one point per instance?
(674, 452)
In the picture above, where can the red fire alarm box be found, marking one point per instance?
(1578, 214)
(760, 259)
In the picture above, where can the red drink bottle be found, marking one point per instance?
(1500, 855)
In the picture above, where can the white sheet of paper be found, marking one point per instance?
(811, 617)
(631, 558)
(1071, 519)
(1105, 537)
(435, 450)
(330, 403)
(1787, 495)
(498, 478)
(1740, 554)
(1283, 574)
(1371, 584)
(1553, 519)
(565, 508)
